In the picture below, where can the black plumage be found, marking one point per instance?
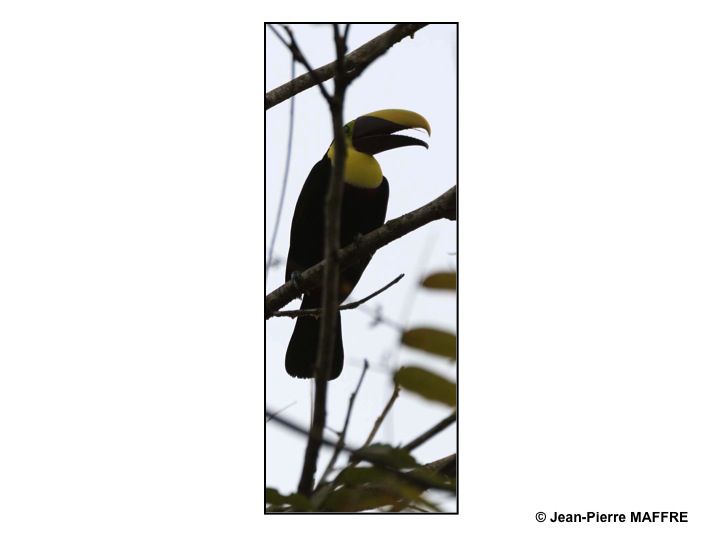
(363, 209)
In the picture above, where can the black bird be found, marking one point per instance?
(364, 203)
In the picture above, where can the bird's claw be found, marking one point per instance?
(295, 278)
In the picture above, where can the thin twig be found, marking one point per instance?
(376, 314)
(446, 465)
(376, 426)
(430, 433)
(288, 154)
(383, 414)
(354, 63)
(273, 415)
(443, 207)
(373, 367)
(282, 39)
(300, 57)
(316, 312)
(341, 441)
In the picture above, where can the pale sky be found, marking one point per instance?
(420, 75)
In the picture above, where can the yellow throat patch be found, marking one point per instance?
(361, 170)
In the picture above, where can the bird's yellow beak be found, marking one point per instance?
(372, 133)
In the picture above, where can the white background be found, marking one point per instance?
(130, 346)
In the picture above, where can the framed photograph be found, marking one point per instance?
(361, 267)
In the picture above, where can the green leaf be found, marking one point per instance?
(419, 501)
(355, 476)
(441, 280)
(427, 384)
(272, 496)
(432, 478)
(355, 499)
(365, 488)
(390, 456)
(295, 501)
(431, 340)
(422, 501)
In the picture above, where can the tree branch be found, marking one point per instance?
(442, 207)
(341, 441)
(316, 312)
(446, 466)
(354, 64)
(430, 433)
(331, 275)
(300, 57)
(383, 414)
(355, 458)
(278, 412)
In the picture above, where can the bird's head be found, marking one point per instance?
(371, 134)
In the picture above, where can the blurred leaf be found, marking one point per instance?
(446, 466)
(366, 488)
(388, 455)
(432, 478)
(432, 341)
(427, 384)
(272, 496)
(355, 476)
(320, 494)
(429, 504)
(357, 499)
(441, 280)
(418, 501)
(296, 501)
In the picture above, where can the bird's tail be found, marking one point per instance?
(303, 348)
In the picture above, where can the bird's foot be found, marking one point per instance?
(357, 238)
(295, 279)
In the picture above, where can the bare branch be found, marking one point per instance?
(298, 55)
(446, 465)
(439, 208)
(277, 34)
(383, 414)
(331, 275)
(354, 63)
(341, 441)
(430, 433)
(316, 312)
(278, 412)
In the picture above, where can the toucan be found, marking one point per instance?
(364, 204)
